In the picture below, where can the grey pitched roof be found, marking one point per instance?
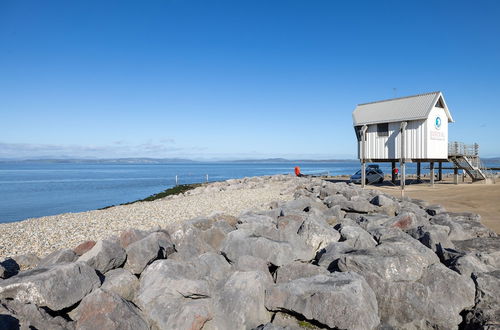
(400, 109)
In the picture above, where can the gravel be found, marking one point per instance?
(44, 235)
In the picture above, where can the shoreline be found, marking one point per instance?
(43, 235)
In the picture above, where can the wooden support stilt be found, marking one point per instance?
(393, 177)
(455, 175)
(440, 171)
(419, 173)
(432, 173)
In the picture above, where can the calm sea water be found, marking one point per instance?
(35, 190)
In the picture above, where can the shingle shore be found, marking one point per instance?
(47, 234)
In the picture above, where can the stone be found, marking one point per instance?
(382, 200)
(141, 253)
(359, 206)
(175, 294)
(57, 257)
(357, 237)
(29, 316)
(8, 267)
(104, 256)
(317, 233)
(283, 321)
(130, 236)
(239, 302)
(107, 310)
(413, 289)
(462, 226)
(56, 287)
(407, 220)
(296, 270)
(337, 300)
(272, 245)
(487, 249)
(486, 311)
(432, 236)
(26, 261)
(231, 220)
(188, 241)
(372, 221)
(381, 234)
(121, 282)
(84, 247)
(468, 264)
(247, 263)
(327, 257)
(214, 237)
(334, 200)
(434, 209)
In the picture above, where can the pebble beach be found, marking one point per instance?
(44, 235)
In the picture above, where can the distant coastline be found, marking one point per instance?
(168, 161)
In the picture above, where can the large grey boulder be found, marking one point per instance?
(104, 256)
(55, 287)
(434, 209)
(338, 300)
(296, 270)
(270, 244)
(486, 311)
(383, 200)
(408, 220)
(247, 263)
(413, 289)
(371, 222)
(462, 226)
(432, 236)
(327, 257)
(486, 249)
(130, 236)
(317, 233)
(107, 310)
(334, 200)
(188, 241)
(57, 257)
(176, 294)
(359, 206)
(357, 237)
(396, 259)
(15, 314)
(121, 282)
(141, 253)
(381, 234)
(239, 301)
(26, 261)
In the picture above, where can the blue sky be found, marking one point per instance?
(235, 79)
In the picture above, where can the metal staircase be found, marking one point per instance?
(466, 157)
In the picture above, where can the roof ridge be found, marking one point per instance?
(399, 98)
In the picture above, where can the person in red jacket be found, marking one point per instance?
(297, 171)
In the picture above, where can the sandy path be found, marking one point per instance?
(480, 198)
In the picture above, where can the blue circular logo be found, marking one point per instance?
(437, 122)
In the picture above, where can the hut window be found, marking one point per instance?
(439, 104)
(357, 129)
(383, 129)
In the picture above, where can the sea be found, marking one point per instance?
(29, 190)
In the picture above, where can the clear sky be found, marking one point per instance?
(235, 79)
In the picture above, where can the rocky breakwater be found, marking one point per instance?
(336, 256)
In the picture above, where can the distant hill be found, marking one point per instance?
(491, 160)
(283, 160)
(101, 161)
(164, 161)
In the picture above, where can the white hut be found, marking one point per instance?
(406, 129)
